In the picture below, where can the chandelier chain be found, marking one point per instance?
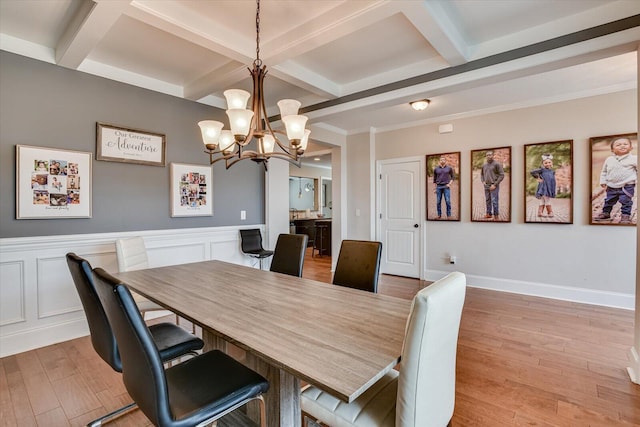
(249, 125)
(258, 61)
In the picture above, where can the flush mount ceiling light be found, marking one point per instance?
(249, 124)
(420, 105)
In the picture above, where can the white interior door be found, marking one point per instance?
(400, 217)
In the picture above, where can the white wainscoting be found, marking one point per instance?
(39, 305)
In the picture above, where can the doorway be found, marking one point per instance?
(400, 213)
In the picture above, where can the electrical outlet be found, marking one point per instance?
(452, 259)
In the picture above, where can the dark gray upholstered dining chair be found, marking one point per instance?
(171, 340)
(193, 393)
(288, 256)
(358, 265)
(251, 243)
(423, 392)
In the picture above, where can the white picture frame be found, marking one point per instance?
(52, 183)
(191, 193)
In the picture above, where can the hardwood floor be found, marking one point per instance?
(521, 361)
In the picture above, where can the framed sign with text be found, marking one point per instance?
(118, 144)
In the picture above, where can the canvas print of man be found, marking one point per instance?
(491, 185)
(443, 187)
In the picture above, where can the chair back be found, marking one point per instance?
(142, 370)
(288, 256)
(358, 265)
(102, 338)
(251, 240)
(131, 254)
(427, 382)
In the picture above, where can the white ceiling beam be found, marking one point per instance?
(90, 24)
(309, 80)
(435, 25)
(27, 48)
(113, 73)
(327, 134)
(397, 74)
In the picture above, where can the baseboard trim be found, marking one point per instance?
(26, 340)
(544, 290)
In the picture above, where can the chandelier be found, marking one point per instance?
(249, 124)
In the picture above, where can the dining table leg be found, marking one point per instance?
(282, 401)
(283, 398)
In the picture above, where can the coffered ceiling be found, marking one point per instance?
(354, 64)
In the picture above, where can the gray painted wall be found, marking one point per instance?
(49, 106)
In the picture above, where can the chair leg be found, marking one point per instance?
(117, 412)
(263, 412)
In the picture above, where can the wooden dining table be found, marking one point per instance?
(338, 339)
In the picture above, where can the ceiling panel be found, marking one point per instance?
(276, 16)
(388, 44)
(40, 22)
(140, 48)
(486, 20)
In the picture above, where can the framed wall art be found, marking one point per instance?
(191, 190)
(443, 187)
(491, 185)
(614, 173)
(52, 183)
(548, 182)
(118, 144)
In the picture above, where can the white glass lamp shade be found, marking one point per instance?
(227, 141)
(268, 143)
(305, 140)
(210, 132)
(295, 126)
(236, 98)
(288, 107)
(240, 121)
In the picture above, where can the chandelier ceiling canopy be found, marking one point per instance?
(253, 124)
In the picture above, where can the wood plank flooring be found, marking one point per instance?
(521, 361)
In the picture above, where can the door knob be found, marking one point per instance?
(415, 226)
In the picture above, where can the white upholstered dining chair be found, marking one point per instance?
(132, 255)
(422, 394)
